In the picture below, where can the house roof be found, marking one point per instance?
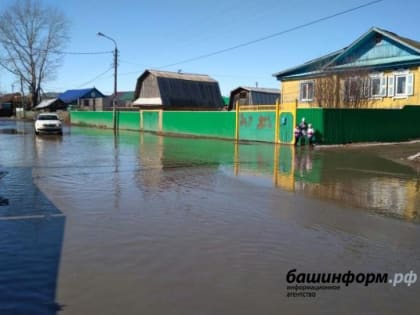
(342, 59)
(174, 89)
(70, 96)
(311, 65)
(5, 98)
(407, 41)
(258, 89)
(45, 103)
(179, 75)
(125, 95)
(256, 95)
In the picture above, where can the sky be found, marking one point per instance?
(160, 34)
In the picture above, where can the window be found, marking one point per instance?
(242, 95)
(354, 88)
(378, 85)
(400, 84)
(86, 102)
(307, 91)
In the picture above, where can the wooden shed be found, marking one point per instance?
(253, 96)
(51, 105)
(174, 90)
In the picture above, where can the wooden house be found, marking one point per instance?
(177, 91)
(378, 70)
(51, 105)
(86, 99)
(253, 96)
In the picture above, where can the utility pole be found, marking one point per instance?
(115, 98)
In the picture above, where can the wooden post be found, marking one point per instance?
(141, 119)
(236, 160)
(277, 127)
(237, 121)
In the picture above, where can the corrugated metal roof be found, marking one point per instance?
(45, 103)
(261, 90)
(407, 41)
(125, 95)
(70, 96)
(254, 96)
(311, 65)
(182, 76)
(179, 90)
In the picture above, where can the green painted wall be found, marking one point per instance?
(96, 119)
(314, 116)
(257, 126)
(210, 124)
(129, 120)
(339, 126)
(361, 125)
(150, 121)
(333, 126)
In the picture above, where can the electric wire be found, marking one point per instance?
(294, 28)
(96, 77)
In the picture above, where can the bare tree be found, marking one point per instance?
(326, 91)
(355, 86)
(31, 37)
(346, 89)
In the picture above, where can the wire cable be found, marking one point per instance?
(96, 77)
(322, 19)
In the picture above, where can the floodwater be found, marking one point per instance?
(142, 224)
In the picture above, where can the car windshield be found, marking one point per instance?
(47, 117)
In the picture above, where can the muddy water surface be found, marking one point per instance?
(141, 224)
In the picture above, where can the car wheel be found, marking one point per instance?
(37, 132)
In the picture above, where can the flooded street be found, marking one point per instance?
(144, 224)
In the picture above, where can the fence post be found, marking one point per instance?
(141, 119)
(237, 121)
(276, 129)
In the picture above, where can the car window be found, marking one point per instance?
(48, 117)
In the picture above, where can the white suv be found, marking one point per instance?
(48, 123)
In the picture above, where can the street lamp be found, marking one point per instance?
(114, 101)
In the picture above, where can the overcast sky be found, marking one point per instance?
(155, 33)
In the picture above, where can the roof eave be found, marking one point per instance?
(397, 39)
(285, 72)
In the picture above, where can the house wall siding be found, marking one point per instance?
(291, 89)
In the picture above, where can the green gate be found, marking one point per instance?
(286, 127)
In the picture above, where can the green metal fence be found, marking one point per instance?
(339, 126)
(208, 124)
(333, 126)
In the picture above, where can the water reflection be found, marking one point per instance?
(357, 179)
(156, 225)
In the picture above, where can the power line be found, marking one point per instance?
(59, 52)
(96, 77)
(80, 53)
(322, 19)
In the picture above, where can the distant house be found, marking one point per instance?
(88, 99)
(253, 96)
(51, 105)
(125, 98)
(172, 90)
(378, 70)
(8, 103)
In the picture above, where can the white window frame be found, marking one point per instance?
(304, 85)
(409, 84)
(357, 91)
(382, 85)
(396, 86)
